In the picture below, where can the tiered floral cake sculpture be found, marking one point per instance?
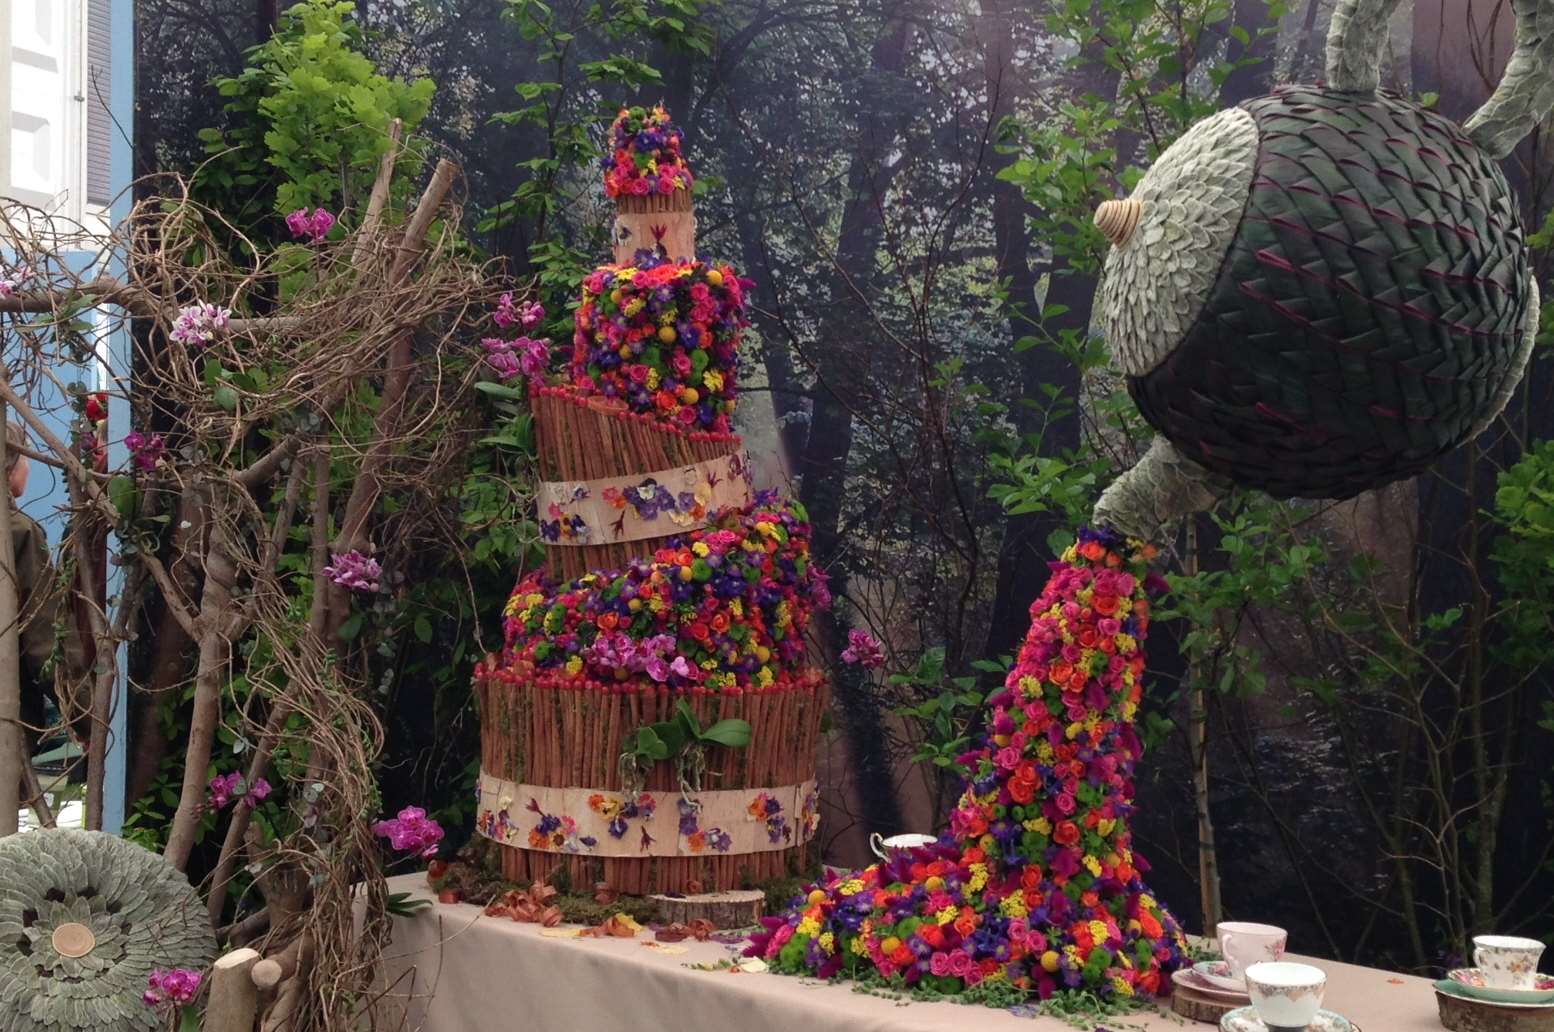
(652, 720)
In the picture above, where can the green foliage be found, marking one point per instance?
(682, 740)
(949, 708)
(307, 120)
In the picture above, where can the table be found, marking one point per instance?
(451, 969)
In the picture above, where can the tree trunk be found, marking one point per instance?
(13, 743)
(843, 367)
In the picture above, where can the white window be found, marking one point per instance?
(43, 110)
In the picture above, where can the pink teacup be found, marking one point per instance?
(1243, 944)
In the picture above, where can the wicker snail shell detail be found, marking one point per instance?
(1324, 289)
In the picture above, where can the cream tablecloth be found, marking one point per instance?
(451, 969)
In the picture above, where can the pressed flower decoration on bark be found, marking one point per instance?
(1035, 883)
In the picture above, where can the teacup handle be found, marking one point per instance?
(877, 844)
(1224, 947)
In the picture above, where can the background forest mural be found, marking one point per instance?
(1348, 703)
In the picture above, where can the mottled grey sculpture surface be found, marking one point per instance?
(118, 911)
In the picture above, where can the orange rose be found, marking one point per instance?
(1106, 605)
(1092, 550)
(1066, 833)
(720, 622)
(1088, 637)
(1061, 671)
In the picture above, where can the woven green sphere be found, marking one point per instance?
(85, 917)
(1325, 291)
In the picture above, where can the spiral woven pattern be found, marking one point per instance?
(141, 914)
(1370, 312)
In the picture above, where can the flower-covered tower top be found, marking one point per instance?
(646, 156)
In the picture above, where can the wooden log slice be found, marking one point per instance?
(1463, 1015)
(1196, 1006)
(740, 908)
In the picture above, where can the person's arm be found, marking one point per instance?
(40, 595)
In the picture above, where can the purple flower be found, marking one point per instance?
(680, 666)
(147, 450)
(223, 787)
(411, 832)
(257, 793)
(198, 324)
(13, 276)
(533, 356)
(175, 988)
(506, 364)
(321, 223)
(355, 571)
(317, 225)
(863, 649)
(527, 314)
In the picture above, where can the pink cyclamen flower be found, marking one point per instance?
(355, 571)
(411, 832)
(200, 323)
(864, 649)
(147, 450)
(173, 988)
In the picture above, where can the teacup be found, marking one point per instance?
(1286, 996)
(884, 847)
(1507, 961)
(1243, 944)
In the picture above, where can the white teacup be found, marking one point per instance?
(883, 847)
(1507, 961)
(1243, 944)
(1285, 995)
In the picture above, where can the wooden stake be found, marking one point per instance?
(234, 998)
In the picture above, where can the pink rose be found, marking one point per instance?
(961, 964)
(1066, 802)
(939, 964)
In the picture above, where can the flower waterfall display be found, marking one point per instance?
(1035, 883)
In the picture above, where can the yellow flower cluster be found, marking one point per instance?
(1092, 865)
(1013, 905)
(978, 879)
(851, 887)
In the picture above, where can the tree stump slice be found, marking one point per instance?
(739, 908)
(1463, 1015)
(1199, 1007)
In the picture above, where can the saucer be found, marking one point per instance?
(1245, 1019)
(1189, 979)
(1451, 987)
(1472, 982)
(1217, 973)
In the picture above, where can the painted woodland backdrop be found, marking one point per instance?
(1350, 707)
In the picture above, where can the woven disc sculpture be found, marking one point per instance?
(85, 917)
(1315, 293)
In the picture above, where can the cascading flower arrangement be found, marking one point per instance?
(720, 609)
(662, 336)
(1035, 883)
(645, 155)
